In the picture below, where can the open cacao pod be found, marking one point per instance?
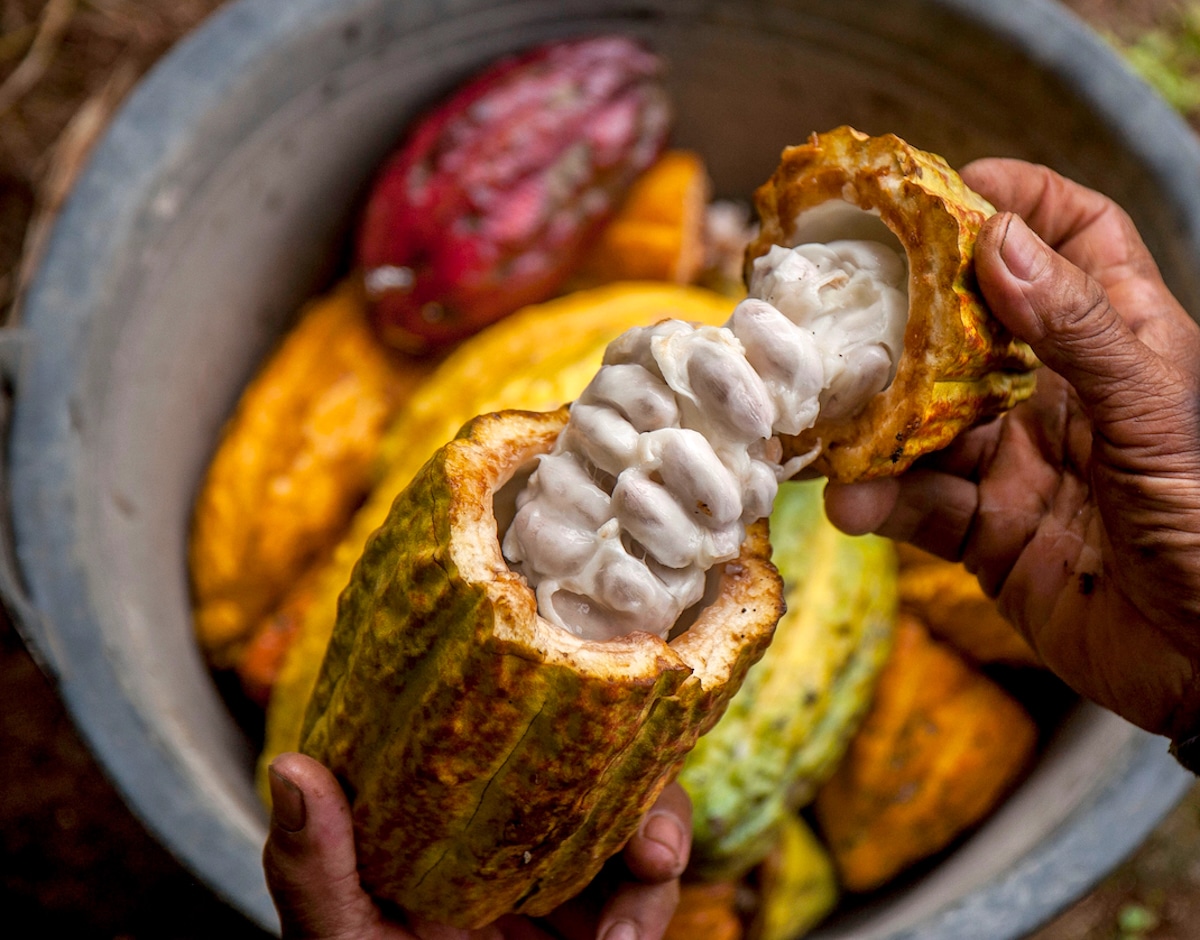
(494, 761)
(959, 364)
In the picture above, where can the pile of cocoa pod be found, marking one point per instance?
(524, 222)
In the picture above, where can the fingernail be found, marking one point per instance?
(666, 831)
(287, 802)
(621, 930)
(1025, 255)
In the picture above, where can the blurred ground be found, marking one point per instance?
(73, 860)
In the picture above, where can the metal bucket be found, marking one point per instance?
(217, 202)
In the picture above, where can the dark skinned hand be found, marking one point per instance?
(1079, 510)
(313, 877)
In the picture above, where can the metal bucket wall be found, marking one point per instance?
(218, 201)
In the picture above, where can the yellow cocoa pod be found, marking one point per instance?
(797, 885)
(785, 731)
(493, 760)
(959, 363)
(939, 748)
(293, 462)
(538, 358)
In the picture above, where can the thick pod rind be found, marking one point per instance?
(959, 363)
(493, 760)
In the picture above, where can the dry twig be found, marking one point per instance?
(52, 26)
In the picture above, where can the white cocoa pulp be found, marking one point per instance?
(673, 448)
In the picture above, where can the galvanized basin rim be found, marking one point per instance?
(129, 676)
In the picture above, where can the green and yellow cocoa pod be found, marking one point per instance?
(537, 359)
(785, 731)
(493, 760)
(959, 363)
(797, 884)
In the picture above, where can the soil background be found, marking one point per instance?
(73, 860)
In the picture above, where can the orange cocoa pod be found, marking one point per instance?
(707, 910)
(658, 230)
(294, 461)
(910, 557)
(949, 601)
(940, 747)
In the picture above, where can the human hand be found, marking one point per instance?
(1079, 510)
(312, 874)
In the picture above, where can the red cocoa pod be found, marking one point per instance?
(493, 196)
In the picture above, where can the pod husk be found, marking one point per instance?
(959, 365)
(493, 760)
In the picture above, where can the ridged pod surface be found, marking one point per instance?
(293, 462)
(550, 351)
(952, 605)
(786, 729)
(959, 363)
(495, 761)
(495, 194)
(940, 747)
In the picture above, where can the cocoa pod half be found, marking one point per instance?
(959, 364)
(550, 351)
(494, 761)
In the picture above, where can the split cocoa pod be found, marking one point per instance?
(549, 352)
(493, 760)
(959, 364)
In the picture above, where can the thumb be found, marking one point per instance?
(309, 857)
(1064, 314)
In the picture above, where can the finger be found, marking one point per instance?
(660, 848)
(656, 856)
(639, 911)
(931, 509)
(309, 856)
(1058, 209)
(1066, 317)
(514, 928)
(1085, 227)
(934, 511)
(859, 508)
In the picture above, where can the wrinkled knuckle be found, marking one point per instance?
(1087, 312)
(1144, 269)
